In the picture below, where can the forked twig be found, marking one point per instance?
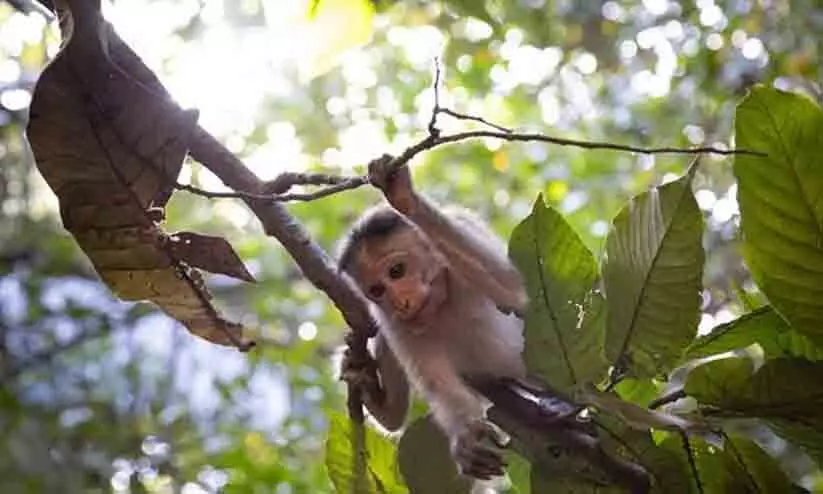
(434, 138)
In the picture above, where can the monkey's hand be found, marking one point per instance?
(362, 373)
(478, 450)
(395, 183)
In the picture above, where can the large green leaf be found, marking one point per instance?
(710, 382)
(379, 473)
(781, 202)
(763, 326)
(781, 388)
(740, 467)
(564, 320)
(652, 271)
(786, 393)
(808, 437)
(754, 467)
(425, 461)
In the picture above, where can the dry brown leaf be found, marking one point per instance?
(214, 254)
(110, 145)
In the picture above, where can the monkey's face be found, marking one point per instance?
(404, 276)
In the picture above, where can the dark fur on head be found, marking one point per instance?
(376, 223)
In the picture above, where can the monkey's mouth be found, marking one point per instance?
(424, 310)
(428, 309)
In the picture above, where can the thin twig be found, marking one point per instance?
(464, 116)
(342, 183)
(427, 144)
(348, 184)
(211, 194)
(336, 184)
(432, 128)
(667, 398)
(437, 109)
(286, 180)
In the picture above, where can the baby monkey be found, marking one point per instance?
(446, 292)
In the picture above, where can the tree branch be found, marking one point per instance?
(464, 116)
(312, 260)
(546, 428)
(277, 222)
(275, 190)
(432, 141)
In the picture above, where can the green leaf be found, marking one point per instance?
(807, 437)
(786, 393)
(749, 301)
(379, 473)
(425, 461)
(562, 347)
(754, 467)
(762, 326)
(519, 470)
(633, 415)
(740, 466)
(641, 392)
(620, 440)
(781, 203)
(781, 388)
(710, 382)
(652, 272)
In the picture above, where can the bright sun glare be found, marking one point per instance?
(227, 73)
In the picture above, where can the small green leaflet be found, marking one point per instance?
(378, 474)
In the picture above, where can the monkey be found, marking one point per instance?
(447, 300)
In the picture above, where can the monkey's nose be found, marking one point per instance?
(402, 306)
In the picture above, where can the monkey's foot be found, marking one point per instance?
(478, 450)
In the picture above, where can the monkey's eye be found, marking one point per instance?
(396, 271)
(377, 290)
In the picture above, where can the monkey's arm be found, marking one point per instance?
(452, 403)
(475, 443)
(391, 413)
(474, 251)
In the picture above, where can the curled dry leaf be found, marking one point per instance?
(110, 145)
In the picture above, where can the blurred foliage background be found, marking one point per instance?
(103, 396)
